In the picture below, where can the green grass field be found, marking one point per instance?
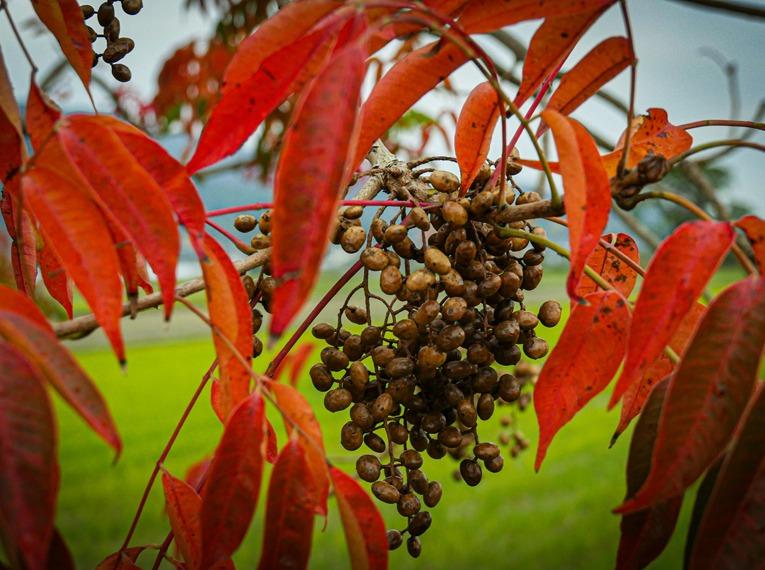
(557, 518)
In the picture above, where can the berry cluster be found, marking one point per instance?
(116, 47)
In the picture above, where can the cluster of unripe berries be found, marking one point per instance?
(116, 47)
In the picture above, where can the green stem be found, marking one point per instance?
(714, 144)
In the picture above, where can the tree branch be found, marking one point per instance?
(735, 8)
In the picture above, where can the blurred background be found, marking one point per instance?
(695, 63)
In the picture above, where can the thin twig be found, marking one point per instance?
(633, 87)
(19, 39)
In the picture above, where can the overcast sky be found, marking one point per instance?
(673, 73)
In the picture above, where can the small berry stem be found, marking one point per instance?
(240, 245)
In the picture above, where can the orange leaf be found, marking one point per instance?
(364, 527)
(313, 170)
(72, 225)
(11, 133)
(122, 560)
(64, 20)
(676, 276)
(299, 358)
(604, 62)
(289, 511)
(29, 473)
(183, 505)
(707, 394)
(550, 46)
(55, 278)
(587, 191)
(233, 484)
(582, 364)
(754, 228)
(480, 16)
(20, 304)
(404, 84)
(230, 313)
(611, 268)
(59, 557)
(475, 125)
(42, 114)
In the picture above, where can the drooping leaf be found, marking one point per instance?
(183, 506)
(401, 87)
(587, 194)
(313, 170)
(638, 392)
(645, 534)
(122, 560)
(754, 228)
(297, 412)
(129, 192)
(699, 506)
(289, 511)
(582, 363)
(480, 16)
(233, 483)
(11, 134)
(675, 278)
(230, 313)
(72, 225)
(59, 556)
(42, 114)
(708, 393)
(604, 62)
(475, 125)
(54, 276)
(41, 347)
(730, 533)
(64, 20)
(550, 46)
(610, 267)
(364, 527)
(29, 474)
(20, 228)
(16, 302)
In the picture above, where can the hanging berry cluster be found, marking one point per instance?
(116, 47)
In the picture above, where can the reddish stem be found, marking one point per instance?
(269, 205)
(240, 245)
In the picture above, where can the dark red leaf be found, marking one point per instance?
(55, 278)
(550, 46)
(699, 505)
(72, 225)
(197, 472)
(29, 474)
(645, 534)
(64, 20)
(233, 484)
(480, 16)
(587, 194)
(675, 278)
(708, 393)
(754, 228)
(59, 557)
(20, 228)
(604, 62)
(122, 560)
(313, 170)
(11, 133)
(40, 346)
(610, 267)
(231, 314)
(582, 363)
(289, 511)
(730, 534)
(183, 506)
(475, 125)
(404, 84)
(364, 527)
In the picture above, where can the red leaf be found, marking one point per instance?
(183, 505)
(653, 134)
(582, 364)
(404, 84)
(289, 511)
(645, 534)
(299, 358)
(638, 392)
(587, 191)
(59, 557)
(40, 345)
(129, 192)
(239, 112)
(297, 411)
(708, 393)
(11, 133)
(197, 472)
(675, 278)
(604, 62)
(29, 473)
(233, 483)
(480, 16)
(72, 225)
(730, 533)
(550, 46)
(42, 114)
(312, 172)
(754, 228)
(122, 560)
(20, 228)
(230, 313)
(64, 20)
(475, 126)
(364, 527)
(16, 302)
(610, 267)
(55, 278)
